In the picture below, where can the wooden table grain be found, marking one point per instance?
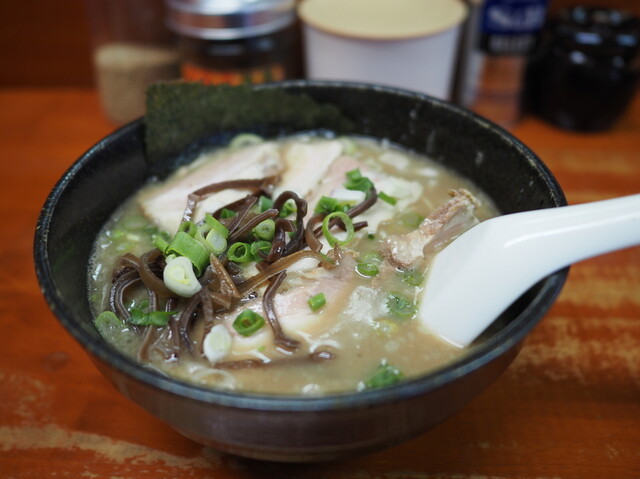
(568, 407)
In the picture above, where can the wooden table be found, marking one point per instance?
(569, 406)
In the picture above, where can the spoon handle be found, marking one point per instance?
(562, 236)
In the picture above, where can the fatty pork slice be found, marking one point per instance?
(295, 316)
(442, 226)
(306, 164)
(332, 184)
(301, 165)
(164, 203)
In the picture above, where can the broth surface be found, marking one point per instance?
(356, 333)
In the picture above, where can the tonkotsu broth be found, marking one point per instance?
(359, 333)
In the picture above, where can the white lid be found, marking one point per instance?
(383, 19)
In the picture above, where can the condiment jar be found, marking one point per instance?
(587, 72)
(131, 50)
(409, 44)
(236, 41)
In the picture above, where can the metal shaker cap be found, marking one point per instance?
(228, 19)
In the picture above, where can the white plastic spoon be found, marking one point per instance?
(478, 275)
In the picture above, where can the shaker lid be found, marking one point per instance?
(598, 27)
(228, 19)
(383, 19)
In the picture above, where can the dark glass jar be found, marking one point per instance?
(236, 41)
(587, 71)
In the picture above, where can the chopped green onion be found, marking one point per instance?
(144, 304)
(370, 257)
(214, 224)
(265, 230)
(240, 253)
(245, 139)
(184, 245)
(349, 147)
(412, 277)
(327, 205)
(151, 318)
(215, 242)
(318, 301)
(135, 223)
(107, 322)
(179, 277)
(386, 198)
(371, 236)
(248, 322)
(217, 343)
(116, 234)
(386, 327)
(188, 227)
(161, 241)
(385, 375)
(411, 219)
(400, 307)
(260, 246)
(355, 181)
(264, 204)
(367, 269)
(227, 213)
(288, 208)
(368, 263)
(348, 224)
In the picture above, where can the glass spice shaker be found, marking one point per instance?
(587, 71)
(132, 49)
(236, 41)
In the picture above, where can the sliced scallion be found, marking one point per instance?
(258, 247)
(185, 245)
(367, 269)
(107, 321)
(400, 307)
(355, 181)
(150, 318)
(216, 242)
(179, 277)
(327, 205)
(240, 253)
(318, 301)
(265, 230)
(248, 322)
(370, 257)
(214, 224)
(387, 199)
(385, 375)
(217, 343)
(188, 227)
(161, 241)
(227, 213)
(288, 208)
(264, 204)
(245, 139)
(412, 277)
(348, 224)
(135, 223)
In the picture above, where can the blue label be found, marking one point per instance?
(511, 26)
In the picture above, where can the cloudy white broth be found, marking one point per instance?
(293, 266)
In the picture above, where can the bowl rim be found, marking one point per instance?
(508, 337)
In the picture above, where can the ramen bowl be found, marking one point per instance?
(291, 428)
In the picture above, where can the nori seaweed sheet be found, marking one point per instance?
(179, 114)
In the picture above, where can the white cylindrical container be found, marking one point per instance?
(409, 44)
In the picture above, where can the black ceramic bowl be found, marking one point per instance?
(301, 428)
